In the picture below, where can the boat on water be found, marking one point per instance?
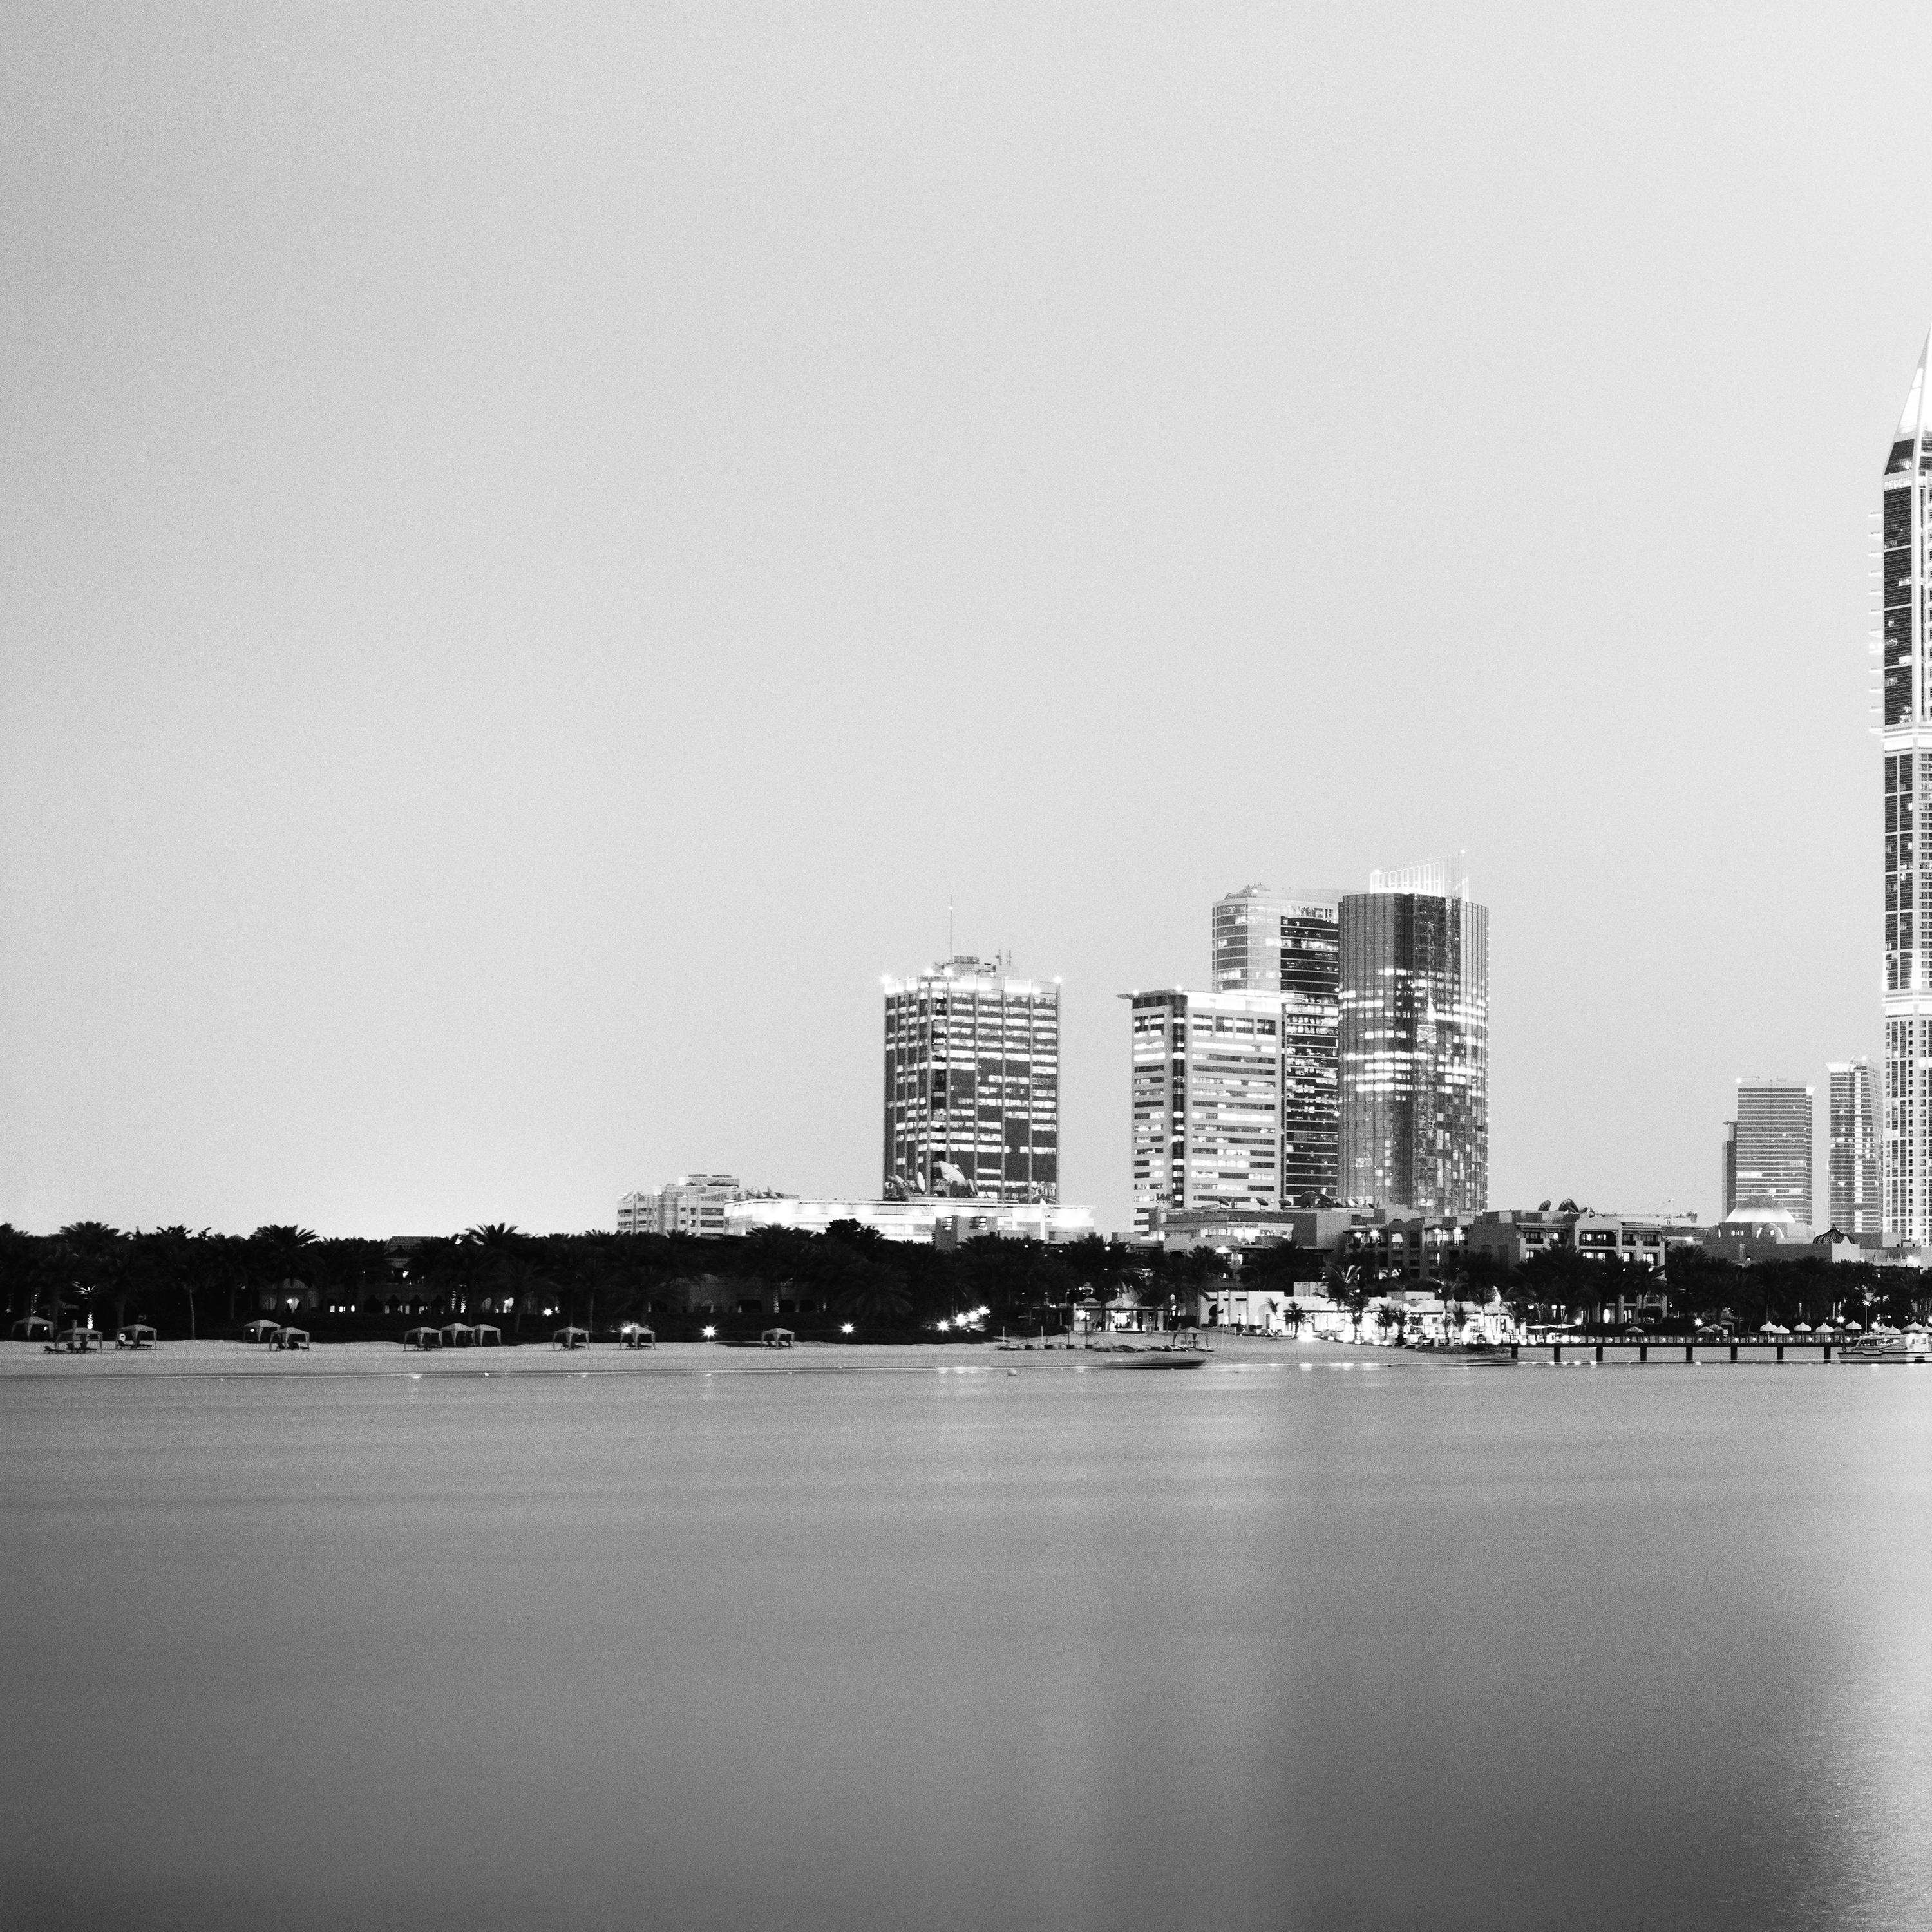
(1884, 1348)
(1183, 1352)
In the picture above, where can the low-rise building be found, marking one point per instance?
(693, 1203)
(932, 1218)
(1514, 1235)
(1232, 1229)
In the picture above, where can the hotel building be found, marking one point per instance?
(1906, 735)
(1767, 1148)
(1414, 1028)
(693, 1203)
(1853, 1164)
(1288, 944)
(972, 1098)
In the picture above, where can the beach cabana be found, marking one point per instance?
(290, 1338)
(635, 1335)
(777, 1338)
(571, 1338)
(458, 1335)
(137, 1335)
(485, 1336)
(422, 1338)
(31, 1327)
(78, 1341)
(260, 1329)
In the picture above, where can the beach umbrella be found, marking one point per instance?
(1803, 1328)
(1770, 1328)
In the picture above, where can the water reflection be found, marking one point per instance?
(1428, 1647)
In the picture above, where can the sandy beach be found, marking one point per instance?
(222, 1359)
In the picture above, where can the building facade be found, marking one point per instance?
(1414, 1042)
(1852, 1159)
(972, 1095)
(1905, 736)
(693, 1203)
(1772, 1162)
(944, 1223)
(1288, 944)
(1206, 1103)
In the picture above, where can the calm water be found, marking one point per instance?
(1412, 1646)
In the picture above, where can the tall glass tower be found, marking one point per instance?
(1905, 1144)
(1854, 1149)
(1769, 1157)
(1288, 944)
(1414, 1042)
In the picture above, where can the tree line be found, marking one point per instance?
(186, 1283)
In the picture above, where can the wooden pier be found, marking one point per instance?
(1821, 1347)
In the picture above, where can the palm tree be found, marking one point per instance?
(495, 1246)
(279, 1251)
(1348, 1282)
(93, 1257)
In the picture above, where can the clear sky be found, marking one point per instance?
(538, 545)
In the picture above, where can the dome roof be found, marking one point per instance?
(1765, 1221)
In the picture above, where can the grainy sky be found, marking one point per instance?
(537, 546)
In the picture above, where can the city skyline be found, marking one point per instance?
(461, 641)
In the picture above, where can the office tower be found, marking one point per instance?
(972, 1083)
(1207, 1079)
(1772, 1165)
(1415, 1041)
(1906, 1146)
(1287, 944)
(1853, 1163)
(1727, 1189)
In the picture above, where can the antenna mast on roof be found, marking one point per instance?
(949, 949)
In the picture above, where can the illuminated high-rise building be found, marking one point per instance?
(1853, 1155)
(1906, 734)
(1288, 944)
(972, 1083)
(1206, 1103)
(1414, 1042)
(1770, 1162)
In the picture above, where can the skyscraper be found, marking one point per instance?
(1288, 944)
(972, 1083)
(1415, 1041)
(1206, 1103)
(1906, 1146)
(1771, 1165)
(1853, 1159)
